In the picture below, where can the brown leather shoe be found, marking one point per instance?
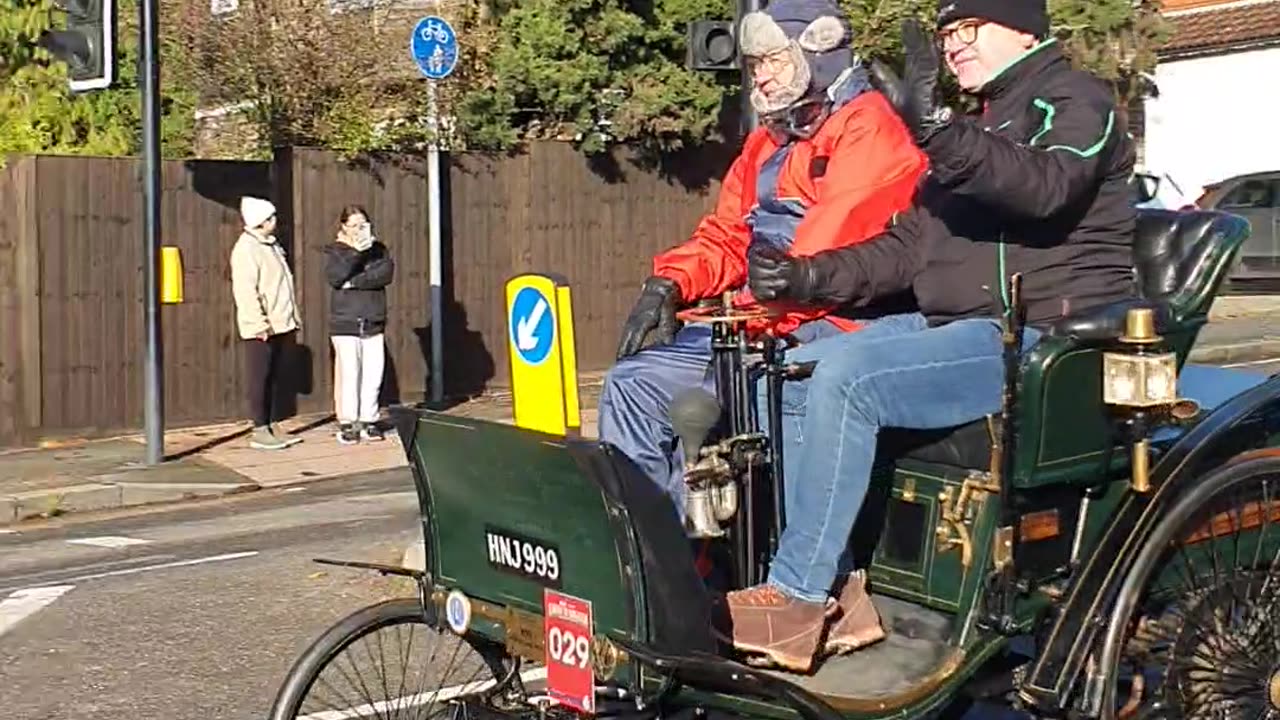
(857, 623)
(785, 630)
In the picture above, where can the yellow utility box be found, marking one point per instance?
(170, 275)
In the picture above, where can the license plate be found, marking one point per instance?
(567, 637)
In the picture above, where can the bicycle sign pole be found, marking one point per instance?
(434, 46)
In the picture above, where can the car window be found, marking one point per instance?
(1251, 194)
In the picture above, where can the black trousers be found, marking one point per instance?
(262, 362)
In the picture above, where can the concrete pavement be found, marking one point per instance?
(207, 462)
(1242, 328)
(201, 462)
(215, 461)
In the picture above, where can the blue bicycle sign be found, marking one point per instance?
(435, 47)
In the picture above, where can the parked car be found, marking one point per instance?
(1256, 198)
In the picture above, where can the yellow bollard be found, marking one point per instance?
(170, 275)
(569, 361)
(540, 344)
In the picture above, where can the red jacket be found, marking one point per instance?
(872, 167)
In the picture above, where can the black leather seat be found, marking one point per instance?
(967, 446)
(1175, 272)
(1180, 260)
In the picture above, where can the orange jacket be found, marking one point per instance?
(871, 171)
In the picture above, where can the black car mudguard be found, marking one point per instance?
(1242, 423)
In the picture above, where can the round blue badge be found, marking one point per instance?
(457, 612)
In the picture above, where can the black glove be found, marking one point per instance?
(653, 318)
(773, 274)
(915, 95)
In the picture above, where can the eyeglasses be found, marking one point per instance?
(773, 62)
(963, 34)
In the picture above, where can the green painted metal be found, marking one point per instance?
(483, 474)
(939, 579)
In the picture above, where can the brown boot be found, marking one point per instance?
(785, 630)
(857, 623)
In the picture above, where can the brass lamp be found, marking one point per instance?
(1142, 380)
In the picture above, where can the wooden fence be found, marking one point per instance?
(71, 321)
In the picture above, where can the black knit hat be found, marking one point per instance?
(1029, 16)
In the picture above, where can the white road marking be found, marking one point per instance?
(22, 603)
(160, 566)
(406, 702)
(1264, 361)
(8, 532)
(17, 582)
(109, 541)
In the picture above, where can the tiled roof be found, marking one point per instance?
(1220, 27)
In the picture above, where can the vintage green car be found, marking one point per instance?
(1100, 548)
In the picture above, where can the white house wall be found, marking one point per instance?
(1216, 117)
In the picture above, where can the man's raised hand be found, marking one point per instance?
(914, 95)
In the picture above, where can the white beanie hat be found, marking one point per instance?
(255, 211)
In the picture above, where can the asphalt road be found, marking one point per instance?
(201, 615)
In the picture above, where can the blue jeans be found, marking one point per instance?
(896, 372)
(636, 399)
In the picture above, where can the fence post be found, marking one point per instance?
(31, 394)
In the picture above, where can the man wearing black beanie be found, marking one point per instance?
(1036, 184)
(983, 37)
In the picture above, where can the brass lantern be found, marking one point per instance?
(1141, 380)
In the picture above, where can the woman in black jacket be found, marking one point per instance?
(359, 269)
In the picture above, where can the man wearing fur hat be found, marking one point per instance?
(829, 165)
(1035, 184)
(266, 313)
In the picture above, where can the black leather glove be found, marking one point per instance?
(653, 318)
(773, 274)
(915, 95)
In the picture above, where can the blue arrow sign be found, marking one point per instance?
(533, 325)
(435, 47)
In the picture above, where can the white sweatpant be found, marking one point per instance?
(357, 377)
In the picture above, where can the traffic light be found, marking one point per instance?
(87, 45)
(712, 45)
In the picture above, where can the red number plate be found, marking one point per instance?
(567, 623)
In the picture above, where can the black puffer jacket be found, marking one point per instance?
(1038, 185)
(361, 308)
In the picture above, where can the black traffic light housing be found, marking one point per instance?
(713, 45)
(87, 45)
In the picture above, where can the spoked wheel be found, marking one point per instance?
(386, 662)
(1204, 640)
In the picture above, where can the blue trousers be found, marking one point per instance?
(897, 372)
(636, 399)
